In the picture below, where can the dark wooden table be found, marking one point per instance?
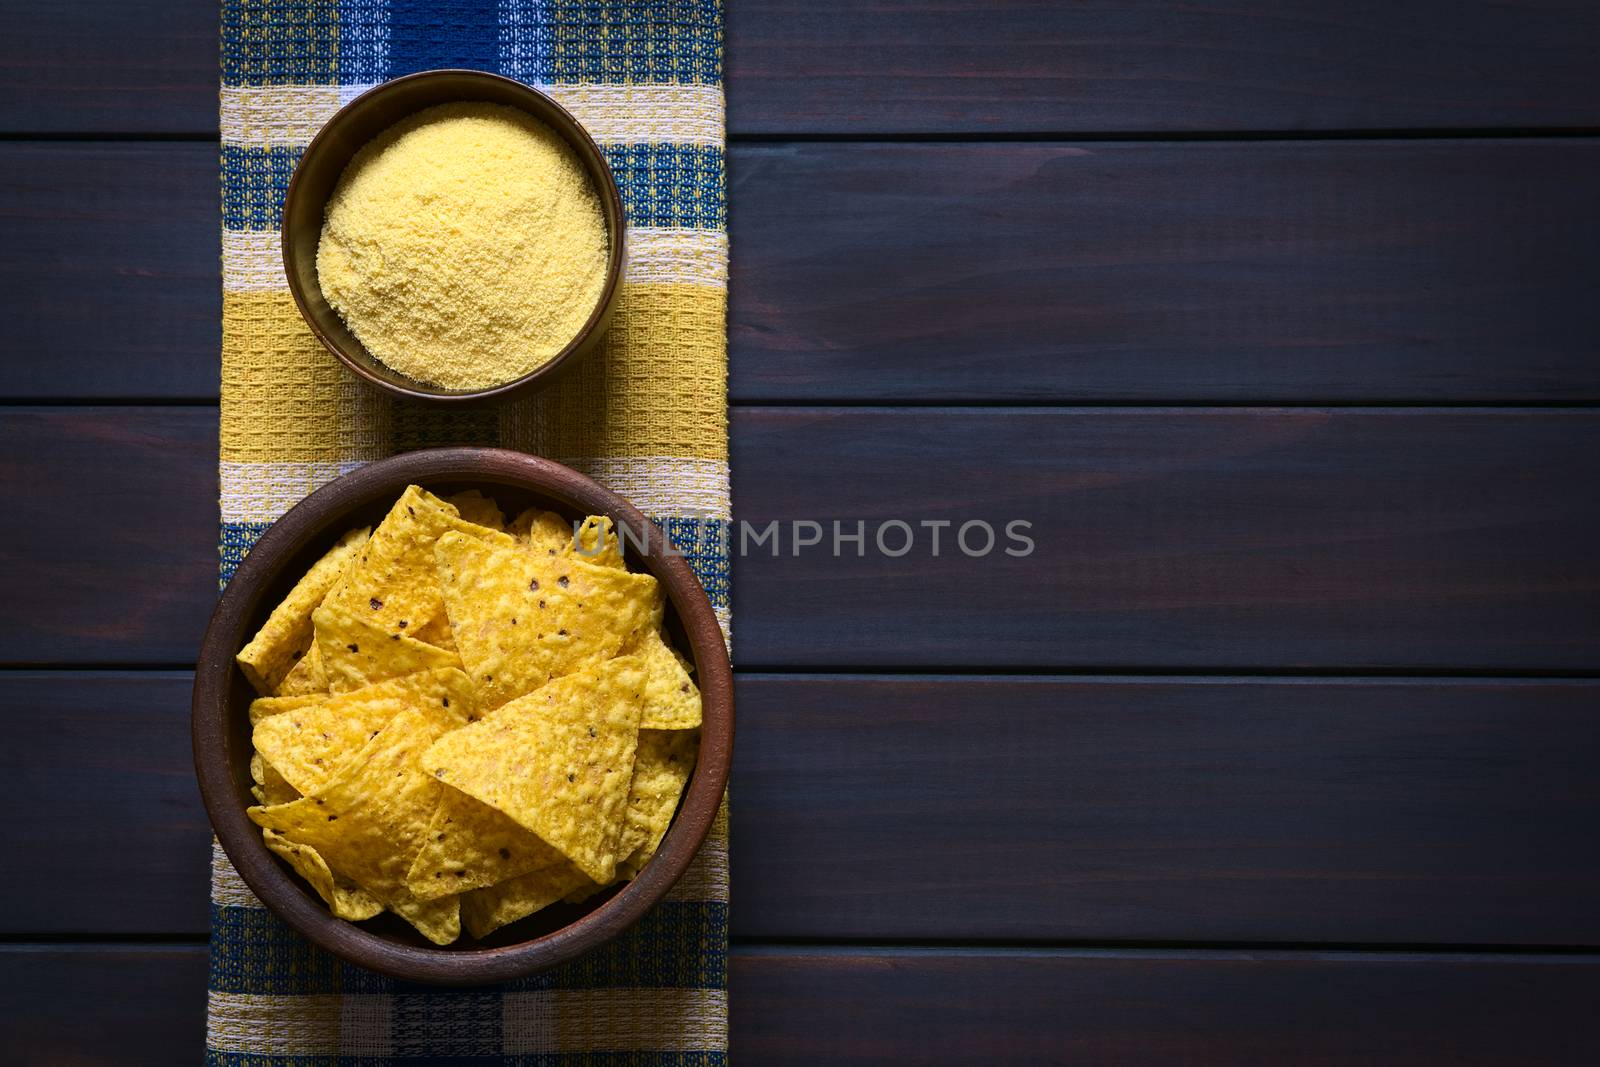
(1277, 319)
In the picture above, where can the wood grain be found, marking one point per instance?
(864, 1007)
(1190, 538)
(109, 66)
(109, 259)
(1244, 272)
(1255, 272)
(146, 66)
(114, 839)
(913, 66)
(92, 1005)
(1174, 538)
(110, 545)
(1166, 810)
(126, 1005)
(1014, 809)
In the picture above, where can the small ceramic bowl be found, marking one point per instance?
(361, 120)
(221, 726)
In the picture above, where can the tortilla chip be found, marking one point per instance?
(266, 707)
(660, 771)
(356, 652)
(307, 678)
(477, 508)
(394, 584)
(559, 761)
(471, 845)
(596, 542)
(346, 899)
(521, 619)
(543, 532)
(486, 910)
(270, 787)
(311, 745)
(285, 637)
(671, 699)
(369, 822)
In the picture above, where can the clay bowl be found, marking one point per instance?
(221, 728)
(336, 144)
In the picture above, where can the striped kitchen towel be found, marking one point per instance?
(647, 416)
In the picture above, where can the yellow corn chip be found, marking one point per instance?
(393, 583)
(286, 635)
(310, 745)
(265, 707)
(596, 542)
(521, 619)
(348, 900)
(369, 822)
(270, 787)
(356, 652)
(477, 508)
(544, 532)
(559, 761)
(486, 910)
(671, 699)
(471, 845)
(660, 770)
(307, 678)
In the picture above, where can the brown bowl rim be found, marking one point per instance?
(240, 604)
(587, 338)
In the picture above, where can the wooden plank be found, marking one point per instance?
(918, 66)
(134, 1005)
(865, 1007)
(111, 536)
(1166, 810)
(1105, 809)
(87, 1005)
(1254, 272)
(1396, 539)
(109, 66)
(1325, 271)
(109, 257)
(109, 835)
(142, 66)
(1193, 538)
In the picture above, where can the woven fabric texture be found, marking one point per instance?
(647, 416)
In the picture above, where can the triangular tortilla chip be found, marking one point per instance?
(671, 699)
(393, 583)
(306, 679)
(486, 910)
(559, 761)
(660, 770)
(369, 822)
(285, 637)
(270, 787)
(346, 899)
(543, 532)
(356, 652)
(265, 707)
(470, 845)
(521, 619)
(477, 508)
(310, 745)
(595, 541)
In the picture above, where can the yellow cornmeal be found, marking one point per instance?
(464, 246)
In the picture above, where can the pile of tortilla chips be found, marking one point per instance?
(466, 720)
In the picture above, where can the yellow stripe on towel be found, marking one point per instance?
(657, 386)
(284, 397)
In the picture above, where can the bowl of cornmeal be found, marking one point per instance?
(454, 237)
